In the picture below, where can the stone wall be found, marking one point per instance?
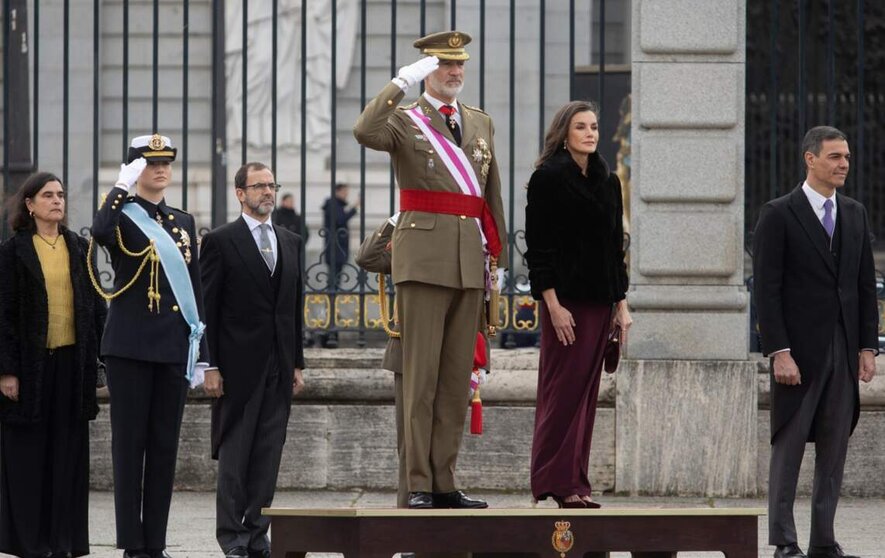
(342, 434)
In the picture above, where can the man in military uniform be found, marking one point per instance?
(152, 342)
(451, 225)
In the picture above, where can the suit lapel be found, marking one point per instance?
(850, 229)
(287, 260)
(28, 255)
(436, 119)
(809, 221)
(245, 245)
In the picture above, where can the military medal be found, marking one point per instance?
(186, 243)
(482, 153)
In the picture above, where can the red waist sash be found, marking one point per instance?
(453, 203)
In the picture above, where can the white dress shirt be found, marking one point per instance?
(817, 202)
(253, 225)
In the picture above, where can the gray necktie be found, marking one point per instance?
(264, 246)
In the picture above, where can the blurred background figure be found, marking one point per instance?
(285, 216)
(50, 325)
(336, 216)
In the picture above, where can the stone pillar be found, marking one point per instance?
(687, 413)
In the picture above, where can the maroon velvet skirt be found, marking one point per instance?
(568, 385)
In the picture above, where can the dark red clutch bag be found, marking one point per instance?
(612, 352)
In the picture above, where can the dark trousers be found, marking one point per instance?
(248, 464)
(147, 402)
(826, 410)
(44, 470)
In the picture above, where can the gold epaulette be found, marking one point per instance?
(411, 105)
(477, 109)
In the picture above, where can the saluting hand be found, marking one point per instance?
(9, 386)
(785, 369)
(129, 173)
(415, 73)
(213, 384)
(298, 384)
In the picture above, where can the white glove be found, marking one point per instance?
(199, 368)
(129, 173)
(500, 278)
(415, 73)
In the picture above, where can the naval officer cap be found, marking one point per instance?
(445, 45)
(155, 148)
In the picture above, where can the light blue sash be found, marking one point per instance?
(178, 276)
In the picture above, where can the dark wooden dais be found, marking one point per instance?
(647, 533)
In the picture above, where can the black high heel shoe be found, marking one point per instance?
(579, 504)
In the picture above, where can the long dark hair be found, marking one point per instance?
(20, 218)
(558, 130)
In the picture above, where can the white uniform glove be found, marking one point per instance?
(199, 374)
(415, 73)
(129, 173)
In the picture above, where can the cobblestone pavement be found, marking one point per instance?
(860, 523)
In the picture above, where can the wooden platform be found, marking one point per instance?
(646, 532)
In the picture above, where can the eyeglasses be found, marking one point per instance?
(263, 185)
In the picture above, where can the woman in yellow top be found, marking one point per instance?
(50, 323)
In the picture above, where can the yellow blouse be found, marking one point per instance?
(55, 262)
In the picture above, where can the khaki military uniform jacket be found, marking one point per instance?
(436, 249)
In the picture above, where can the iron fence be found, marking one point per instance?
(809, 63)
(187, 69)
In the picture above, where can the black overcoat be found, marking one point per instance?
(24, 319)
(245, 319)
(799, 292)
(574, 231)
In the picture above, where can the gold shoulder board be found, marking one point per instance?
(477, 109)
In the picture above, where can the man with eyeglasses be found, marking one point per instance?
(252, 284)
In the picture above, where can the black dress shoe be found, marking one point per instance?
(236, 552)
(788, 551)
(135, 553)
(161, 553)
(834, 551)
(259, 553)
(458, 500)
(420, 501)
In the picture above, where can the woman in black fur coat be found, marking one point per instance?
(575, 256)
(50, 323)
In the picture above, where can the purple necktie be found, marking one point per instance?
(829, 224)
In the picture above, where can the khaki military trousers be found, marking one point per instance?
(438, 326)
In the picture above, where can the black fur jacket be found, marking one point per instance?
(24, 319)
(574, 231)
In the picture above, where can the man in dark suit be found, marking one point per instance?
(253, 294)
(815, 291)
(151, 337)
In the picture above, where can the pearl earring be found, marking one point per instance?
(565, 144)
